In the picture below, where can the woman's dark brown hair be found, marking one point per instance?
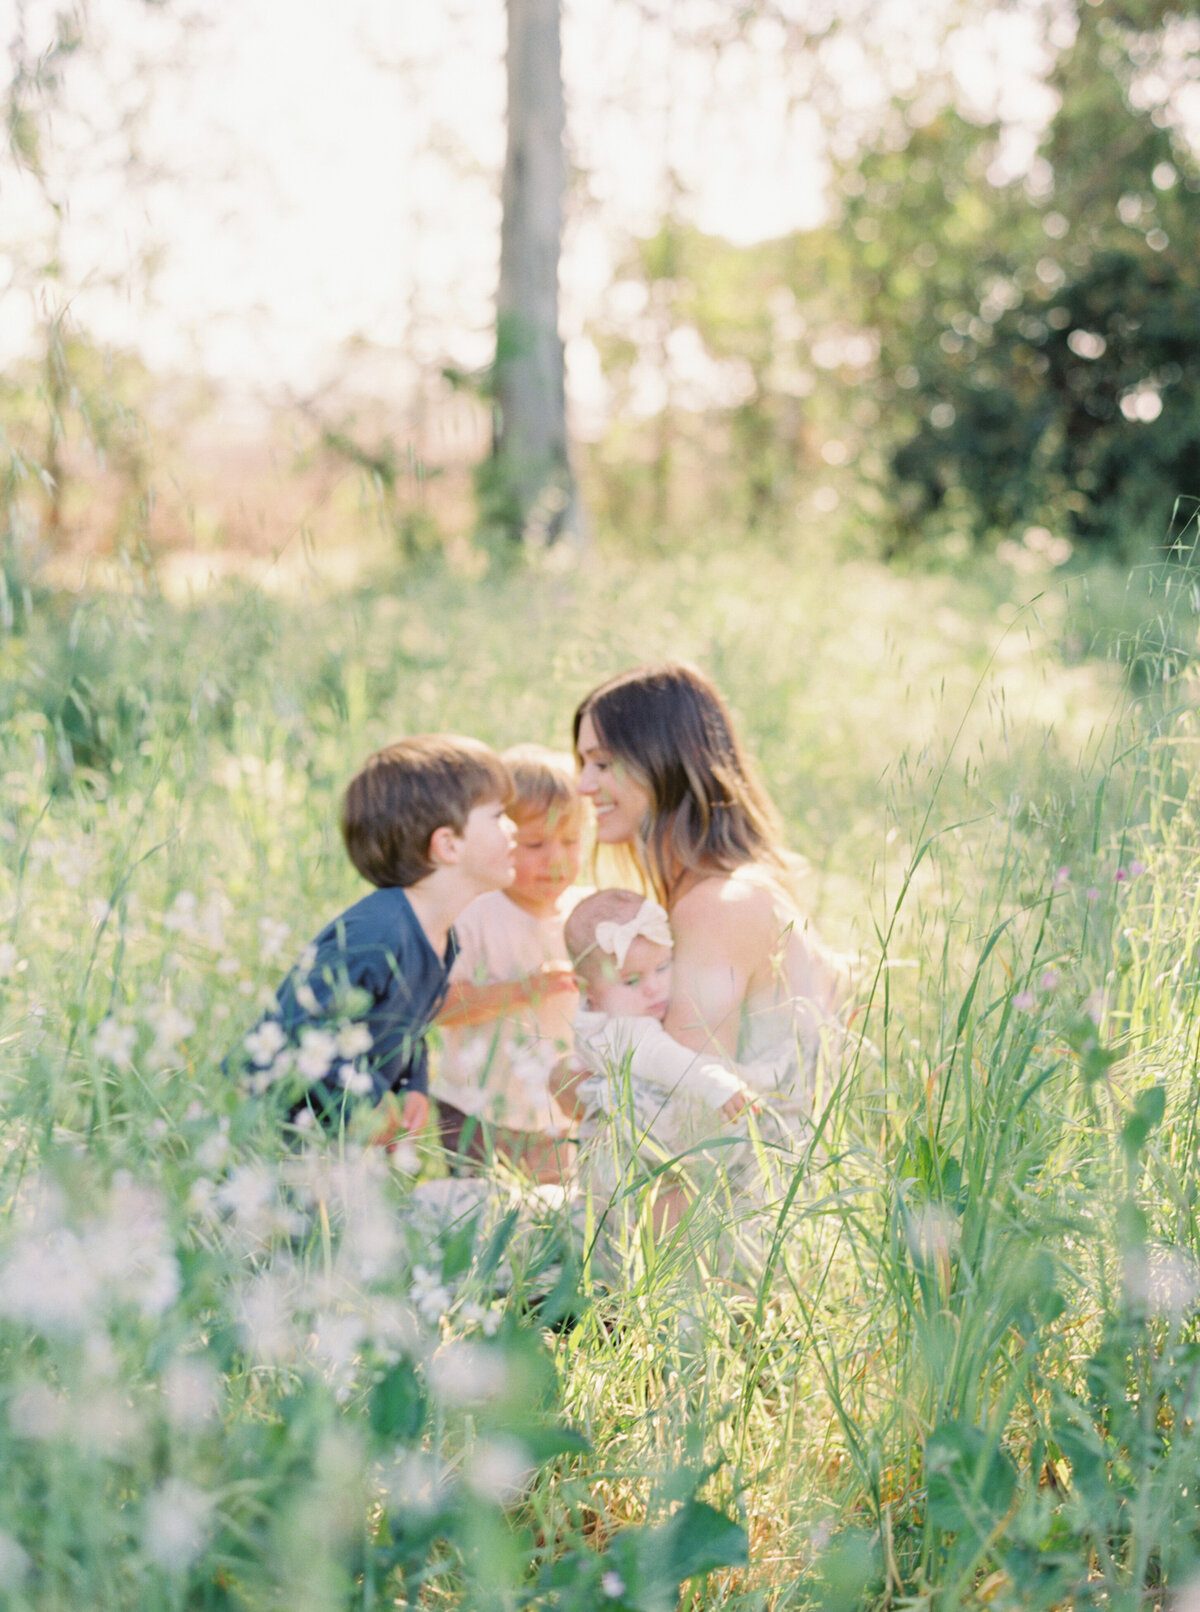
(709, 812)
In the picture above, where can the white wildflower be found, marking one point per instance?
(170, 1027)
(415, 1483)
(192, 1391)
(430, 1295)
(71, 863)
(37, 1412)
(202, 1199)
(180, 916)
(99, 910)
(14, 1562)
(104, 1422)
(463, 1373)
(613, 1585)
(335, 1344)
(131, 1249)
(281, 1067)
(488, 1321)
(500, 1469)
(8, 959)
(210, 927)
(264, 1042)
(176, 1520)
(101, 1357)
(227, 966)
(356, 1081)
(404, 1157)
(168, 1022)
(114, 1042)
(1165, 1280)
(306, 997)
(265, 1308)
(272, 938)
(353, 1040)
(49, 1283)
(248, 1195)
(1187, 1598)
(214, 1150)
(317, 1051)
(307, 959)
(304, 1120)
(391, 1326)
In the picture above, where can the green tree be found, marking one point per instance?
(1052, 356)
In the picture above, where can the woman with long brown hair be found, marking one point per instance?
(662, 764)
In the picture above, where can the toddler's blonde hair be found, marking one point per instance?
(543, 781)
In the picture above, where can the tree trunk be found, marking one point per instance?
(533, 494)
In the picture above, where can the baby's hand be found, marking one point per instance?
(740, 1101)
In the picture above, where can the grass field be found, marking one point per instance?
(237, 1374)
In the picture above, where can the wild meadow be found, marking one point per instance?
(244, 1371)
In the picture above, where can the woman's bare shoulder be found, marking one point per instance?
(740, 899)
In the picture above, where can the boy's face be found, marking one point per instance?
(641, 988)
(486, 847)
(546, 859)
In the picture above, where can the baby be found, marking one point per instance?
(621, 947)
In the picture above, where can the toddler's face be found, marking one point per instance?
(546, 859)
(639, 989)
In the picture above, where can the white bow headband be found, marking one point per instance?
(649, 921)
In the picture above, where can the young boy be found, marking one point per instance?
(507, 1018)
(424, 821)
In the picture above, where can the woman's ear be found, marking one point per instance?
(443, 846)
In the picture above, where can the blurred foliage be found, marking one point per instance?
(1054, 361)
(963, 347)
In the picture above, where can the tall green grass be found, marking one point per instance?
(963, 1370)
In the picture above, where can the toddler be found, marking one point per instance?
(507, 1019)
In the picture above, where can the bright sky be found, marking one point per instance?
(313, 176)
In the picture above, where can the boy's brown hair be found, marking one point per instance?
(543, 781)
(405, 791)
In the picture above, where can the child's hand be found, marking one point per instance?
(552, 978)
(737, 1104)
(393, 1117)
(414, 1116)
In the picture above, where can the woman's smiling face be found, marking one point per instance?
(620, 799)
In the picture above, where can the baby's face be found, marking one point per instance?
(641, 988)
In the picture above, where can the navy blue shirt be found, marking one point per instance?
(373, 967)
